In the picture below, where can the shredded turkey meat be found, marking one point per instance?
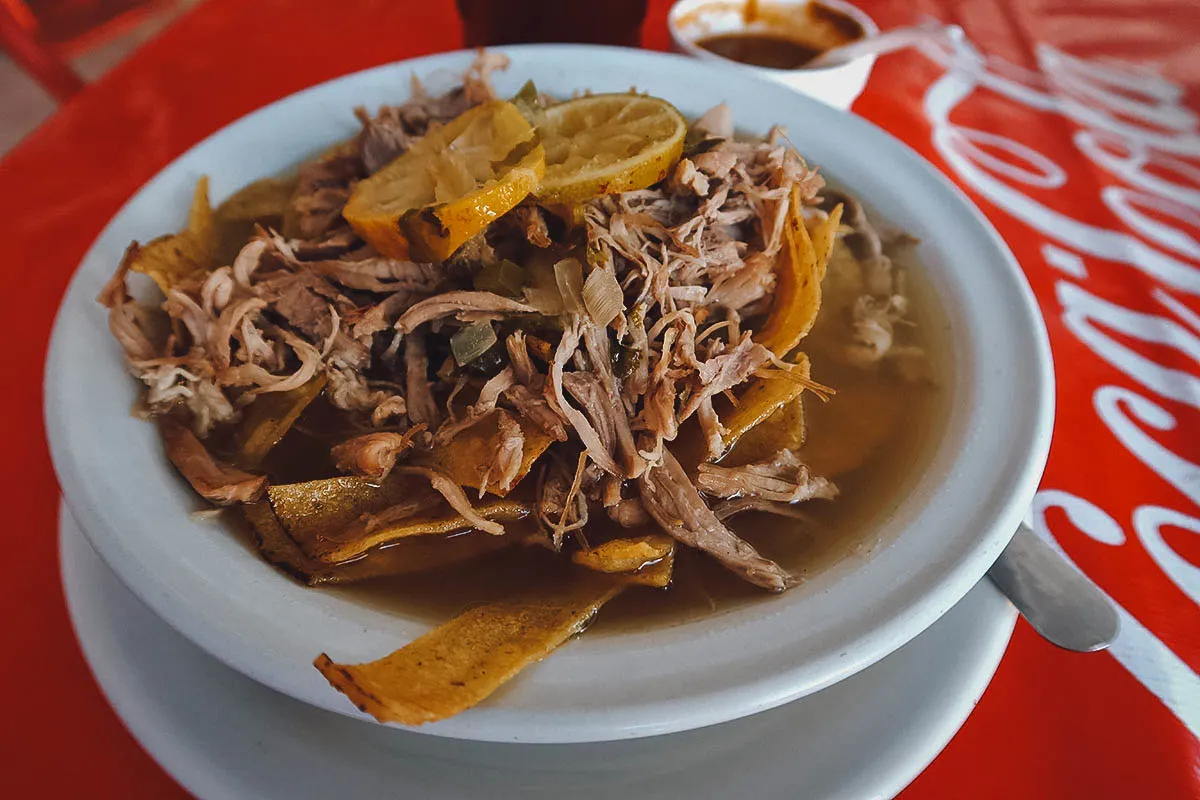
(373, 455)
(388, 134)
(322, 190)
(463, 305)
(612, 340)
(871, 297)
(504, 462)
(671, 499)
(781, 478)
(213, 480)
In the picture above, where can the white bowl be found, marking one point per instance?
(838, 85)
(940, 539)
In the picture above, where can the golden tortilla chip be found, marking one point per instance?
(797, 287)
(783, 430)
(463, 661)
(263, 202)
(762, 399)
(334, 520)
(269, 418)
(266, 198)
(466, 458)
(325, 507)
(643, 560)
(183, 256)
(361, 538)
(823, 236)
(413, 555)
(657, 576)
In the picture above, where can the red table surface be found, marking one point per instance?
(1105, 226)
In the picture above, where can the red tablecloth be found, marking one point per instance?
(1091, 170)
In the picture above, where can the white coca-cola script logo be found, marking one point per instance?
(1135, 131)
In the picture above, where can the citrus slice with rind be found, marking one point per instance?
(449, 185)
(607, 143)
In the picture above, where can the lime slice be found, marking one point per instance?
(608, 143)
(450, 185)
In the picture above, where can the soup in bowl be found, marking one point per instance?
(472, 379)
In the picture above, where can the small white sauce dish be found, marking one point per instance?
(837, 85)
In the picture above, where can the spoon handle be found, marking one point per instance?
(1058, 600)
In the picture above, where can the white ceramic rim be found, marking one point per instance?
(688, 44)
(955, 522)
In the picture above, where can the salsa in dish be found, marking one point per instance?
(550, 352)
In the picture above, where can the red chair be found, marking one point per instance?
(18, 37)
(41, 35)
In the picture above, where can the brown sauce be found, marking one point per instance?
(834, 531)
(761, 49)
(846, 26)
(779, 37)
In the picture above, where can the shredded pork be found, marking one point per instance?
(781, 478)
(670, 498)
(213, 480)
(373, 455)
(614, 370)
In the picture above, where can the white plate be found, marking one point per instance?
(941, 537)
(224, 736)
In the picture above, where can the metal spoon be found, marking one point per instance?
(886, 42)
(1058, 600)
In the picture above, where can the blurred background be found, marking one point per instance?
(49, 48)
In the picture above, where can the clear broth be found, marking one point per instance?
(846, 527)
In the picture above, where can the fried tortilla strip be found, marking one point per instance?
(269, 418)
(335, 520)
(316, 509)
(643, 560)
(413, 555)
(823, 235)
(363, 537)
(463, 661)
(213, 480)
(797, 302)
(263, 199)
(763, 398)
(263, 202)
(797, 287)
(179, 257)
(467, 457)
(657, 575)
(782, 430)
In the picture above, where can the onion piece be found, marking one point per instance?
(602, 296)
(471, 342)
(568, 274)
(505, 278)
(548, 302)
(541, 290)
